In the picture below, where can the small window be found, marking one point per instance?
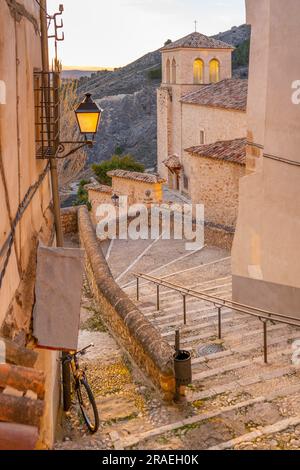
(198, 71)
(214, 71)
(174, 71)
(168, 71)
(202, 137)
(185, 183)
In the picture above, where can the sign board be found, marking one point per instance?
(59, 281)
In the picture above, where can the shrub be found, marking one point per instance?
(155, 74)
(117, 162)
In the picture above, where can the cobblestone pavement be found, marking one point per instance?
(236, 401)
(127, 402)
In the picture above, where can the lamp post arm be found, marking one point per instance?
(61, 148)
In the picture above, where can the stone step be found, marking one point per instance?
(253, 348)
(229, 337)
(237, 365)
(239, 385)
(241, 408)
(202, 287)
(196, 319)
(201, 314)
(167, 306)
(213, 323)
(275, 428)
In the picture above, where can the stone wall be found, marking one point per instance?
(215, 184)
(136, 190)
(131, 329)
(20, 56)
(69, 220)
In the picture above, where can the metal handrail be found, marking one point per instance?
(263, 315)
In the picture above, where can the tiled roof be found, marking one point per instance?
(229, 94)
(100, 188)
(173, 162)
(228, 150)
(197, 41)
(133, 175)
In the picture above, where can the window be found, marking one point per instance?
(214, 71)
(198, 71)
(202, 137)
(185, 183)
(173, 71)
(168, 71)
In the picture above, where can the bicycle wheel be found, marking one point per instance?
(66, 379)
(88, 406)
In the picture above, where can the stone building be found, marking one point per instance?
(26, 220)
(199, 104)
(215, 171)
(266, 254)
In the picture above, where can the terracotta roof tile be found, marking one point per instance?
(173, 162)
(228, 94)
(197, 41)
(228, 150)
(133, 175)
(100, 188)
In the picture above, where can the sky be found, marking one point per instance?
(113, 33)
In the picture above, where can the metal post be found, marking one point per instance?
(265, 343)
(177, 349)
(184, 309)
(219, 322)
(137, 288)
(157, 297)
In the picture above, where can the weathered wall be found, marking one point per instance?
(217, 123)
(131, 329)
(20, 55)
(265, 262)
(136, 190)
(69, 220)
(215, 184)
(98, 197)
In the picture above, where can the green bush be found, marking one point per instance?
(82, 198)
(155, 74)
(240, 57)
(117, 162)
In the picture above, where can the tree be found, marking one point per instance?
(82, 195)
(117, 162)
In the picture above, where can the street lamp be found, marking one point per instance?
(88, 115)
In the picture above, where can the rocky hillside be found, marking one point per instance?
(128, 98)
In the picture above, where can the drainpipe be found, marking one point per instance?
(53, 161)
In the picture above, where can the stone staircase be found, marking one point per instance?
(235, 401)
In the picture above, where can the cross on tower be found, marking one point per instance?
(196, 22)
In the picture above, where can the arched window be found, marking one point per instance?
(168, 71)
(214, 71)
(198, 71)
(174, 71)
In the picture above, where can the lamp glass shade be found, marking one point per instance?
(88, 122)
(88, 116)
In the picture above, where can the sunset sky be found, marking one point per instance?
(115, 32)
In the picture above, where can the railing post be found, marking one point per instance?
(265, 342)
(219, 322)
(184, 309)
(138, 289)
(157, 297)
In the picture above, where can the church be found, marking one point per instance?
(202, 126)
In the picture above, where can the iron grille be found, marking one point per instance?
(47, 113)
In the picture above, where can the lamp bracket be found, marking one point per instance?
(79, 145)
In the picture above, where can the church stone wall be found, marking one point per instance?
(215, 184)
